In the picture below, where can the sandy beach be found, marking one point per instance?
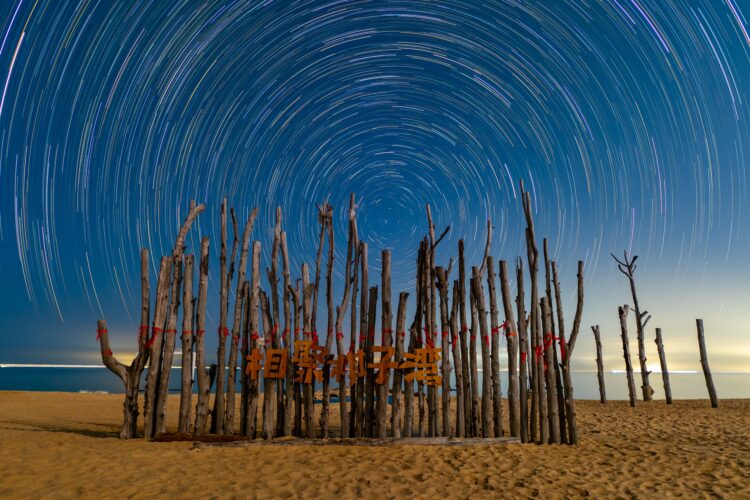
(65, 444)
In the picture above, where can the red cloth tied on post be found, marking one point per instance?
(154, 332)
(562, 346)
(254, 336)
(143, 331)
(339, 335)
(223, 330)
(523, 357)
(99, 333)
(486, 339)
(200, 332)
(314, 335)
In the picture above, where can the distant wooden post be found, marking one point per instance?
(664, 369)
(204, 384)
(497, 405)
(704, 365)
(511, 335)
(623, 313)
(386, 321)
(599, 365)
(457, 362)
(464, 339)
(186, 387)
(398, 376)
(523, 350)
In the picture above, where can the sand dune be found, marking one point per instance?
(64, 444)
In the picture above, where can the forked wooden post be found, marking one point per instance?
(623, 314)
(599, 365)
(664, 369)
(704, 365)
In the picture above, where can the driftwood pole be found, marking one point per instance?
(497, 404)
(523, 349)
(627, 267)
(288, 382)
(307, 389)
(511, 335)
(599, 365)
(269, 385)
(276, 397)
(130, 375)
(294, 294)
(204, 384)
(329, 327)
(467, 392)
(370, 379)
(566, 350)
(217, 414)
(155, 344)
(623, 314)
(414, 343)
(353, 318)
(237, 325)
(476, 285)
(186, 387)
(555, 366)
(386, 323)
(549, 370)
(251, 411)
(398, 377)
(424, 316)
(664, 369)
(442, 286)
(457, 363)
(359, 410)
(704, 365)
(244, 352)
(476, 416)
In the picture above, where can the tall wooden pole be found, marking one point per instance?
(523, 350)
(288, 382)
(414, 343)
(386, 321)
(623, 314)
(269, 385)
(217, 414)
(476, 416)
(599, 365)
(204, 384)
(353, 319)
(566, 351)
(324, 414)
(369, 421)
(467, 392)
(398, 376)
(476, 285)
(363, 312)
(276, 394)
(340, 314)
(186, 386)
(423, 311)
(442, 286)
(457, 363)
(253, 392)
(497, 406)
(549, 370)
(307, 314)
(704, 365)
(555, 366)
(511, 335)
(664, 369)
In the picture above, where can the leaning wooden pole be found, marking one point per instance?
(511, 335)
(398, 376)
(186, 387)
(237, 325)
(497, 405)
(599, 365)
(704, 364)
(664, 369)
(623, 314)
(566, 352)
(204, 384)
(386, 342)
(155, 345)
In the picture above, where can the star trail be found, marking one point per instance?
(628, 120)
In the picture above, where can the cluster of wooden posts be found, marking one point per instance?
(627, 267)
(539, 390)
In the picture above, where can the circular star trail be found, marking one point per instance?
(626, 119)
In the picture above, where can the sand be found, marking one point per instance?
(65, 445)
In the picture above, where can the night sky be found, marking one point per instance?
(628, 120)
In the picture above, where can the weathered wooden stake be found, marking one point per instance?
(497, 405)
(457, 363)
(476, 416)
(523, 349)
(511, 335)
(329, 327)
(398, 376)
(386, 323)
(623, 314)
(204, 384)
(217, 414)
(566, 350)
(549, 371)
(467, 391)
(442, 286)
(664, 369)
(269, 384)
(288, 382)
(369, 421)
(186, 388)
(476, 285)
(704, 365)
(599, 365)
(307, 389)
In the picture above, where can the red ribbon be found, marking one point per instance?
(339, 335)
(486, 339)
(109, 352)
(200, 332)
(314, 334)
(143, 331)
(154, 332)
(523, 357)
(562, 346)
(254, 336)
(402, 334)
(224, 330)
(189, 332)
(464, 328)
(170, 331)
(99, 333)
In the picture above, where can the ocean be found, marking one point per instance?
(685, 385)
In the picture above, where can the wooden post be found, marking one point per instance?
(476, 284)
(555, 366)
(359, 413)
(237, 325)
(299, 325)
(423, 311)
(467, 391)
(276, 396)
(457, 363)
(414, 342)
(288, 382)
(155, 345)
(244, 352)
(398, 376)
(549, 370)
(664, 369)
(329, 327)
(253, 391)
(566, 351)
(623, 313)
(386, 323)
(353, 319)
(442, 286)
(217, 414)
(523, 349)
(130, 375)
(599, 365)
(627, 267)
(497, 405)
(307, 389)
(476, 416)
(269, 384)
(186, 387)
(340, 313)
(204, 384)
(511, 335)
(704, 365)
(369, 421)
